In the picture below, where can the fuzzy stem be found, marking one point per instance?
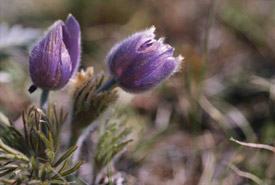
(43, 100)
(78, 140)
(78, 137)
(106, 86)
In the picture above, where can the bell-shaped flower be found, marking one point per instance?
(140, 62)
(55, 58)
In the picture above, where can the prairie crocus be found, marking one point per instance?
(140, 62)
(55, 58)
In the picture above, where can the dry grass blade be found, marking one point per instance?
(4, 119)
(216, 115)
(254, 145)
(247, 175)
(209, 159)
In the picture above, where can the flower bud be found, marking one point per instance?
(55, 58)
(140, 62)
(88, 105)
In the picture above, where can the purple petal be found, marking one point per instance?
(64, 67)
(49, 60)
(140, 63)
(120, 55)
(71, 38)
(123, 53)
(143, 64)
(152, 79)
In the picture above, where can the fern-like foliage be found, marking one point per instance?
(112, 140)
(31, 157)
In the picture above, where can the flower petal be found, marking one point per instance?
(64, 69)
(152, 79)
(71, 38)
(122, 54)
(45, 57)
(143, 64)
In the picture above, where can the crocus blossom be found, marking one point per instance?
(55, 58)
(140, 62)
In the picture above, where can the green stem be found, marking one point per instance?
(43, 100)
(75, 133)
(106, 86)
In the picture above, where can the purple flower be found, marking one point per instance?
(140, 62)
(55, 58)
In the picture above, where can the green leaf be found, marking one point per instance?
(34, 168)
(73, 169)
(43, 174)
(57, 181)
(65, 164)
(7, 172)
(65, 156)
(7, 181)
(63, 167)
(111, 142)
(46, 140)
(51, 141)
(50, 155)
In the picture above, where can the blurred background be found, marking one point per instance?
(182, 129)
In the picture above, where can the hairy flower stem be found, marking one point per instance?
(43, 100)
(84, 135)
(107, 85)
